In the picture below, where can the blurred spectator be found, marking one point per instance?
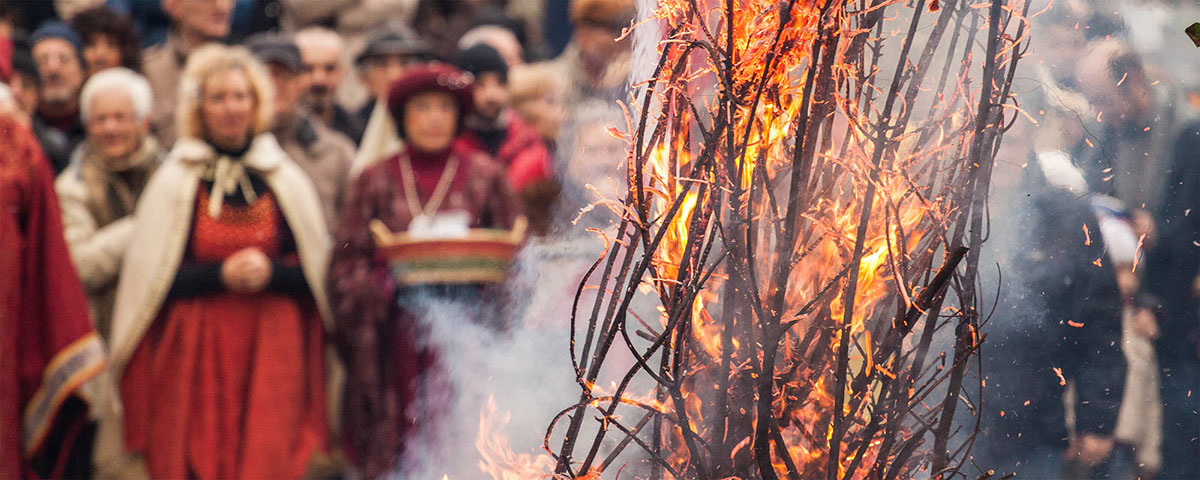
(497, 130)
(530, 16)
(390, 54)
(321, 50)
(497, 37)
(1057, 370)
(594, 64)
(193, 24)
(109, 40)
(1139, 423)
(443, 22)
(24, 84)
(356, 21)
(536, 92)
(23, 17)
(251, 17)
(153, 19)
(217, 337)
(1129, 129)
(50, 357)
(590, 155)
(323, 154)
(426, 186)
(58, 53)
(108, 171)
(1173, 274)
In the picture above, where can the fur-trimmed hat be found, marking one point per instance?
(434, 77)
(613, 14)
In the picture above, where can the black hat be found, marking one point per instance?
(275, 48)
(393, 42)
(482, 59)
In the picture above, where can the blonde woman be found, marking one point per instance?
(218, 336)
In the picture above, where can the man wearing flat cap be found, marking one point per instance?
(58, 54)
(389, 53)
(322, 153)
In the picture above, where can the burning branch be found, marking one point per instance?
(794, 222)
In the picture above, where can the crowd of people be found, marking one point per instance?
(1092, 361)
(195, 190)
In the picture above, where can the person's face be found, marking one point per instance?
(209, 19)
(227, 108)
(112, 126)
(1059, 49)
(382, 70)
(60, 71)
(597, 157)
(545, 113)
(597, 44)
(430, 121)
(491, 95)
(1138, 108)
(322, 72)
(101, 52)
(288, 87)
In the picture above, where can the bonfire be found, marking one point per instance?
(807, 184)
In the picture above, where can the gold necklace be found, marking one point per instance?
(439, 192)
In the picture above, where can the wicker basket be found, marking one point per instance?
(482, 256)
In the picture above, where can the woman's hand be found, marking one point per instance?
(247, 271)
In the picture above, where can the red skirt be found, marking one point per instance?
(228, 386)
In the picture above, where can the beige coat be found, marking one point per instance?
(97, 244)
(161, 229)
(163, 67)
(323, 154)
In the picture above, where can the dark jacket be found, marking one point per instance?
(57, 144)
(348, 124)
(1058, 322)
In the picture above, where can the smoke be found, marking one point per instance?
(524, 368)
(519, 365)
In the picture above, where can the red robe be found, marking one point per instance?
(48, 347)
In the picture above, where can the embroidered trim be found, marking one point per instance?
(73, 366)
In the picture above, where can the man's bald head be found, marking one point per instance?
(321, 53)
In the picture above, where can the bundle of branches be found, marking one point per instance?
(807, 185)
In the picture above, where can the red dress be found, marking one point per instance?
(229, 385)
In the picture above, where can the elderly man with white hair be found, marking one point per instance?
(108, 171)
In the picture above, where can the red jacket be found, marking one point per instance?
(523, 154)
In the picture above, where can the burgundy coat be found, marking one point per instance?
(377, 339)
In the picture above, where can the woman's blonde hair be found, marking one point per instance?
(213, 59)
(529, 81)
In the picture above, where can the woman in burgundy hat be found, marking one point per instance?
(426, 190)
